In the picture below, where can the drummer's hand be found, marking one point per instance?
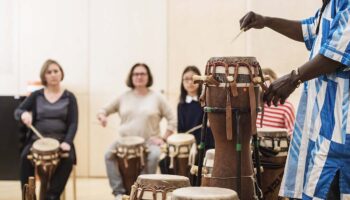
(252, 20)
(156, 140)
(102, 118)
(279, 90)
(65, 146)
(27, 118)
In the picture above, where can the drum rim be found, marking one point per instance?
(190, 139)
(121, 141)
(163, 177)
(224, 192)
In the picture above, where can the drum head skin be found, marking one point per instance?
(183, 138)
(167, 179)
(272, 132)
(46, 144)
(204, 193)
(131, 140)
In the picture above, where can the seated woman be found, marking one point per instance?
(53, 111)
(140, 110)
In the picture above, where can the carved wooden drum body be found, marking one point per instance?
(182, 152)
(45, 154)
(274, 144)
(131, 156)
(231, 99)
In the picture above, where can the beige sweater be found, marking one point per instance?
(141, 115)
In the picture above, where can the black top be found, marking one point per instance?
(58, 120)
(190, 115)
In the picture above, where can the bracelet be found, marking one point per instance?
(295, 78)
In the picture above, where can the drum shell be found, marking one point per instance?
(130, 167)
(225, 162)
(180, 149)
(273, 165)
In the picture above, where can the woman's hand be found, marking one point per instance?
(102, 118)
(155, 140)
(27, 118)
(65, 146)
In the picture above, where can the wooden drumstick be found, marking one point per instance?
(235, 38)
(194, 128)
(35, 131)
(199, 79)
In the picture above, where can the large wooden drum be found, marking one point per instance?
(231, 99)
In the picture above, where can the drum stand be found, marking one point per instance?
(201, 148)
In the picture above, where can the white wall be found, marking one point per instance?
(121, 33)
(97, 41)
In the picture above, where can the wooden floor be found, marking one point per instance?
(87, 189)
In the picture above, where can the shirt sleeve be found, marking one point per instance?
(169, 115)
(309, 26)
(72, 121)
(110, 108)
(337, 43)
(26, 105)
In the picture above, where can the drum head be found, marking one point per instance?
(272, 132)
(182, 138)
(46, 145)
(164, 180)
(204, 193)
(130, 140)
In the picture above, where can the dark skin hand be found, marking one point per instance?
(289, 28)
(280, 89)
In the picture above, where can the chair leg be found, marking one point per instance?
(74, 184)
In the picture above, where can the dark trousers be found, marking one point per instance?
(59, 178)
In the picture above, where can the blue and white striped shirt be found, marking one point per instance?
(324, 105)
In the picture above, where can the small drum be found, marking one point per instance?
(45, 154)
(231, 100)
(131, 154)
(204, 193)
(182, 151)
(45, 151)
(274, 144)
(157, 186)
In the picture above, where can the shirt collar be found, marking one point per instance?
(189, 99)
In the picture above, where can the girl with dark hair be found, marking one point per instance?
(189, 110)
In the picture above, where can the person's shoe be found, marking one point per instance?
(119, 197)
